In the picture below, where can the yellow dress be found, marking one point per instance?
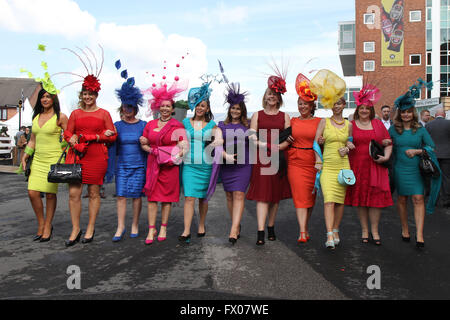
(333, 163)
(47, 152)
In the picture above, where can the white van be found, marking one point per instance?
(6, 143)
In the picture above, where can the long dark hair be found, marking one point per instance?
(208, 115)
(38, 108)
(244, 119)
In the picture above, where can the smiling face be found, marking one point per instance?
(364, 112)
(47, 101)
(201, 109)
(235, 112)
(305, 108)
(271, 99)
(339, 107)
(407, 115)
(166, 109)
(89, 98)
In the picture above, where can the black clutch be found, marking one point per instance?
(427, 166)
(377, 150)
(65, 173)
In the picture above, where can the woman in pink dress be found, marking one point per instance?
(371, 192)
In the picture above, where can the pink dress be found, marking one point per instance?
(372, 180)
(163, 182)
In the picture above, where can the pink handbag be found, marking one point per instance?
(168, 156)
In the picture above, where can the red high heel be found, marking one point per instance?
(302, 238)
(147, 241)
(160, 239)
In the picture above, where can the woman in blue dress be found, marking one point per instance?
(409, 139)
(197, 167)
(129, 166)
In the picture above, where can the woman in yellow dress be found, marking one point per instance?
(336, 132)
(45, 146)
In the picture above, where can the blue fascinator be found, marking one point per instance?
(408, 100)
(129, 94)
(197, 95)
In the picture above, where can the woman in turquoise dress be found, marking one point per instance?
(409, 139)
(197, 167)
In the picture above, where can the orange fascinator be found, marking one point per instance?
(303, 89)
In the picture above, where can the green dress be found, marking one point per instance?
(407, 177)
(47, 152)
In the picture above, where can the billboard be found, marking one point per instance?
(392, 33)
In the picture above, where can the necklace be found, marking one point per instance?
(160, 119)
(338, 123)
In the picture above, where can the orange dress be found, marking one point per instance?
(301, 161)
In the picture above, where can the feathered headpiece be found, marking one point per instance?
(368, 95)
(302, 86)
(197, 95)
(277, 82)
(46, 82)
(233, 95)
(129, 94)
(408, 100)
(328, 87)
(91, 81)
(162, 92)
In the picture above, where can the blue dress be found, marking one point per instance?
(197, 167)
(131, 159)
(407, 177)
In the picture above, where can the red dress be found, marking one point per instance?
(163, 182)
(95, 160)
(372, 180)
(269, 188)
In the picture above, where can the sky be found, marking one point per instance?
(246, 36)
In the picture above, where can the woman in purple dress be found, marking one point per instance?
(236, 170)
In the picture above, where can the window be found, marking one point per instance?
(369, 18)
(415, 16)
(3, 114)
(369, 65)
(369, 47)
(428, 58)
(415, 59)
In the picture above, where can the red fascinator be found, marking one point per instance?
(277, 82)
(91, 83)
(368, 96)
(303, 89)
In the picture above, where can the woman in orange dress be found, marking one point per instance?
(301, 157)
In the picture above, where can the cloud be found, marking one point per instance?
(221, 15)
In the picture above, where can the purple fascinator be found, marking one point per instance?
(234, 95)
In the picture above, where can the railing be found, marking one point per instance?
(6, 147)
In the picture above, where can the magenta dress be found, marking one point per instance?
(163, 182)
(372, 180)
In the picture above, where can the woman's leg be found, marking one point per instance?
(403, 213)
(238, 210)
(302, 218)
(121, 213)
(137, 208)
(273, 209)
(50, 209)
(329, 219)
(262, 209)
(165, 213)
(38, 208)
(94, 208)
(203, 210)
(75, 208)
(189, 204)
(308, 217)
(152, 213)
(419, 215)
(230, 203)
(374, 216)
(363, 214)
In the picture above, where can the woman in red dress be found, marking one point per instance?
(88, 129)
(266, 187)
(371, 192)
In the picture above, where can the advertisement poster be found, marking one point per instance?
(392, 29)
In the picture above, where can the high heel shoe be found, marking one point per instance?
(160, 239)
(185, 239)
(239, 235)
(302, 238)
(406, 239)
(330, 243)
(150, 241)
(37, 237)
(336, 240)
(419, 244)
(119, 238)
(271, 233)
(260, 240)
(70, 243)
(375, 241)
(232, 240)
(86, 240)
(201, 235)
(47, 239)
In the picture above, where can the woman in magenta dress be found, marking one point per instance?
(163, 135)
(268, 184)
(371, 192)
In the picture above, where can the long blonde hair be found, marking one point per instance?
(80, 99)
(280, 98)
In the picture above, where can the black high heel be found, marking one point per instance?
(419, 244)
(239, 235)
(47, 239)
(232, 240)
(86, 240)
(271, 233)
(260, 240)
(70, 243)
(375, 241)
(185, 239)
(406, 239)
(37, 237)
(201, 235)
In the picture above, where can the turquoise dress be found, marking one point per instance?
(407, 177)
(197, 169)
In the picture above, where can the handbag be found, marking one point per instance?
(27, 171)
(375, 150)
(65, 173)
(427, 166)
(168, 156)
(346, 177)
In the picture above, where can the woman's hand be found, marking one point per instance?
(344, 151)
(411, 153)
(350, 145)
(73, 141)
(318, 166)
(109, 133)
(24, 161)
(229, 158)
(290, 139)
(143, 141)
(381, 159)
(321, 140)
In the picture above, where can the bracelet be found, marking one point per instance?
(29, 151)
(319, 162)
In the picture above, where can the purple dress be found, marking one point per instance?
(236, 177)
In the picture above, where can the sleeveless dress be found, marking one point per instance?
(47, 152)
(408, 180)
(301, 161)
(235, 177)
(268, 188)
(335, 139)
(196, 173)
(130, 167)
(372, 180)
(95, 161)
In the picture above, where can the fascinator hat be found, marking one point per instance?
(129, 94)
(163, 92)
(197, 95)
(328, 87)
(302, 86)
(233, 94)
(46, 81)
(369, 95)
(408, 100)
(277, 82)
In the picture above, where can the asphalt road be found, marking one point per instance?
(210, 268)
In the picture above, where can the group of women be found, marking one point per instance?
(148, 160)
